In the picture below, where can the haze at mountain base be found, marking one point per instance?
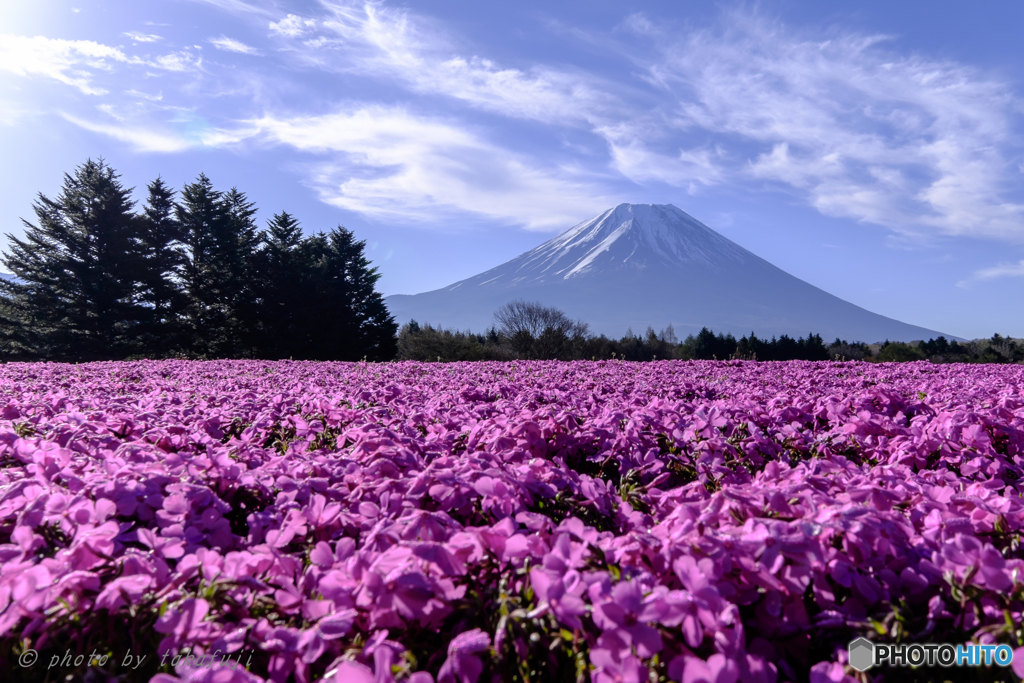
(640, 265)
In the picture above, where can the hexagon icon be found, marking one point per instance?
(862, 654)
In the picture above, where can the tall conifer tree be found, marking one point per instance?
(80, 272)
(164, 258)
(348, 316)
(220, 237)
(241, 242)
(286, 278)
(201, 216)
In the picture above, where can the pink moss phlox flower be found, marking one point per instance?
(463, 665)
(628, 614)
(758, 512)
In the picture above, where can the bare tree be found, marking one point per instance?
(540, 331)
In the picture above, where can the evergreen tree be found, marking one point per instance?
(814, 348)
(80, 271)
(219, 235)
(347, 316)
(707, 345)
(286, 277)
(201, 216)
(241, 243)
(164, 258)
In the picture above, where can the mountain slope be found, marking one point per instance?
(646, 264)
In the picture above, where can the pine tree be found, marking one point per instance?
(218, 277)
(240, 244)
(201, 215)
(80, 272)
(286, 277)
(163, 257)
(348, 319)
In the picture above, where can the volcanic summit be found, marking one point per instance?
(640, 265)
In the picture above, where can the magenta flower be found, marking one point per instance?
(626, 616)
(305, 513)
(717, 669)
(179, 623)
(463, 665)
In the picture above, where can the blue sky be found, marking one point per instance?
(874, 150)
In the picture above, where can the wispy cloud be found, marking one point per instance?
(232, 45)
(177, 61)
(384, 42)
(843, 121)
(78, 62)
(145, 96)
(390, 163)
(237, 7)
(143, 37)
(631, 145)
(292, 26)
(998, 271)
(61, 60)
(1002, 270)
(858, 130)
(142, 139)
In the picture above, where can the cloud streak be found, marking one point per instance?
(142, 37)
(292, 26)
(1002, 270)
(390, 43)
(839, 120)
(999, 271)
(857, 130)
(842, 121)
(231, 45)
(143, 139)
(77, 62)
(60, 60)
(388, 163)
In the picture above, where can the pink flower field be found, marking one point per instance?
(236, 521)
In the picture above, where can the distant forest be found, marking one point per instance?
(529, 330)
(189, 274)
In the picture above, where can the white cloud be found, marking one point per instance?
(142, 37)
(859, 131)
(142, 139)
(61, 60)
(393, 43)
(840, 120)
(235, 7)
(292, 26)
(992, 273)
(177, 61)
(388, 163)
(232, 45)
(633, 157)
(145, 96)
(76, 62)
(111, 111)
(1001, 270)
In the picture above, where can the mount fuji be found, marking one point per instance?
(640, 265)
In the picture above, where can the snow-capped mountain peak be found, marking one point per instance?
(652, 264)
(629, 236)
(643, 234)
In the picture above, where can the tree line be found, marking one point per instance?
(530, 330)
(188, 275)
